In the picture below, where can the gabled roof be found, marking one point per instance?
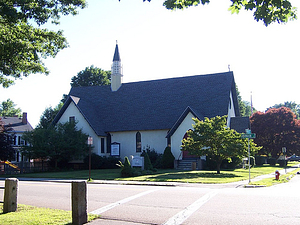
(16, 124)
(153, 105)
(240, 124)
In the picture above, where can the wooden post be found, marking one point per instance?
(79, 202)
(10, 195)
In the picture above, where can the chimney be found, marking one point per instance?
(24, 118)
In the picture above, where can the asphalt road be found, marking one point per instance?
(170, 205)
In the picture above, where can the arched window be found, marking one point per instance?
(138, 140)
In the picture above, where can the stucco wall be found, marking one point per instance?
(176, 139)
(155, 139)
(82, 124)
(231, 112)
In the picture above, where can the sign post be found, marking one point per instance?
(248, 135)
(284, 155)
(90, 142)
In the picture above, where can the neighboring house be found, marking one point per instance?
(18, 125)
(124, 119)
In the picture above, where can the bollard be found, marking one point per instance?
(79, 202)
(10, 195)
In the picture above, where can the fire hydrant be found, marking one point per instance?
(277, 174)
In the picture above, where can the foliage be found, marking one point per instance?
(147, 162)
(8, 109)
(280, 11)
(126, 170)
(246, 109)
(6, 142)
(63, 142)
(275, 129)
(291, 105)
(155, 158)
(260, 160)
(48, 116)
(101, 162)
(214, 139)
(91, 76)
(168, 159)
(23, 43)
(271, 161)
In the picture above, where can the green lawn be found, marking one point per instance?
(202, 176)
(30, 215)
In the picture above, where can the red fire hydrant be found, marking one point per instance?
(277, 174)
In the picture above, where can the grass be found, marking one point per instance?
(284, 178)
(202, 176)
(30, 215)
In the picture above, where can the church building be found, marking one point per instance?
(125, 118)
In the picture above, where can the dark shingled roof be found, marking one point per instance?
(240, 124)
(153, 105)
(16, 124)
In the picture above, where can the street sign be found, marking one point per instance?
(252, 135)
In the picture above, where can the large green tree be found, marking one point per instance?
(7, 108)
(48, 116)
(91, 76)
(212, 137)
(63, 142)
(23, 43)
(6, 143)
(275, 129)
(268, 11)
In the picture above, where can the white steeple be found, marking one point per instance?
(116, 71)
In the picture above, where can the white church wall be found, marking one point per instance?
(231, 112)
(176, 139)
(156, 139)
(82, 124)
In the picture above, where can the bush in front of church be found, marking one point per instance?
(168, 159)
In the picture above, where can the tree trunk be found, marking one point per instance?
(218, 167)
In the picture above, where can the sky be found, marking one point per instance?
(156, 43)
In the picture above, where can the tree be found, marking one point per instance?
(23, 43)
(214, 139)
(6, 143)
(8, 109)
(63, 142)
(48, 116)
(291, 105)
(245, 107)
(280, 11)
(275, 129)
(91, 76)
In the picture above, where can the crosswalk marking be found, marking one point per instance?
(110, 206)
(180, 217)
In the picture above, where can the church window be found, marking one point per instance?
(108, 142)
(138, 142)
(102, 145)
(72, 119)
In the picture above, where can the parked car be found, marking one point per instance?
(294, 158)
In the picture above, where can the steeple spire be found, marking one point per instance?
(116, 70)
(116, 55)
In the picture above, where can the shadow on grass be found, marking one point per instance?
(191, 175)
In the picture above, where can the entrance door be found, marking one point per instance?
(186, 154)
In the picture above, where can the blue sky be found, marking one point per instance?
(156, 43)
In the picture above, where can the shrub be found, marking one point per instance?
(101, 162)
(147, 162)
(235, 162)
(168, 159)
(282, 162)
(126, 170)
(272, 161)
(260, 160)
(155, 158)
